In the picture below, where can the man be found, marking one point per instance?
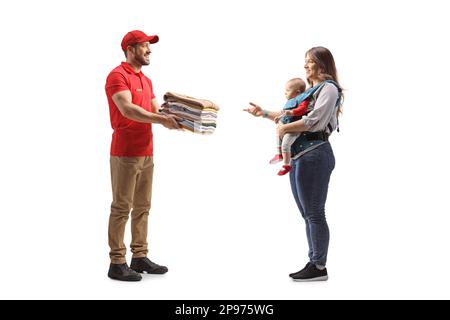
(133, 108)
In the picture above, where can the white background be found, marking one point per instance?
(222, 220)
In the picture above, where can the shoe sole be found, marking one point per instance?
(153, 272)
(126, 280)
(323, 278)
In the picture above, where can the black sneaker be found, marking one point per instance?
(311, 273)
(123, 273)
(142, 265)
(293, 274)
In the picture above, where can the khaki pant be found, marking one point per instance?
(131, 179)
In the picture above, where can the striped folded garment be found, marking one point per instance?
(198, 115)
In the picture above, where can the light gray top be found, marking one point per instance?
(324, 109)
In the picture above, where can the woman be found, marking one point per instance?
(312, 156)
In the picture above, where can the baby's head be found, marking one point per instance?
(294, 87)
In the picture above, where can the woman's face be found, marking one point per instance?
(311, 68)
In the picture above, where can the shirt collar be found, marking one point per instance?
(130, 69)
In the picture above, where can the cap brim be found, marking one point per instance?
(152, 39)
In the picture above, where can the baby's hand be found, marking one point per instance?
(289, 113)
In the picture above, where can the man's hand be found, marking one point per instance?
(170, 121)
(254, 110)
(277, 118)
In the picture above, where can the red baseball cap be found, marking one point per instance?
(137, 36)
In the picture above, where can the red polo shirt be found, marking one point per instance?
(130, 138)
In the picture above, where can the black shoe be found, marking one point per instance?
(311, 273)
(123, 273)
(142, 265)
(293, 274)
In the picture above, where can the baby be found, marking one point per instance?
(296, 106)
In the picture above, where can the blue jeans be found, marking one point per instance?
(309, 178)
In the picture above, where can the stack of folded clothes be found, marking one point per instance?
(198, 115)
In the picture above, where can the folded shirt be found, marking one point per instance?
(198, 115)
(190, 101)
(185, 111)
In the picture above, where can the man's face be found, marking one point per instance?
(142, 53)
